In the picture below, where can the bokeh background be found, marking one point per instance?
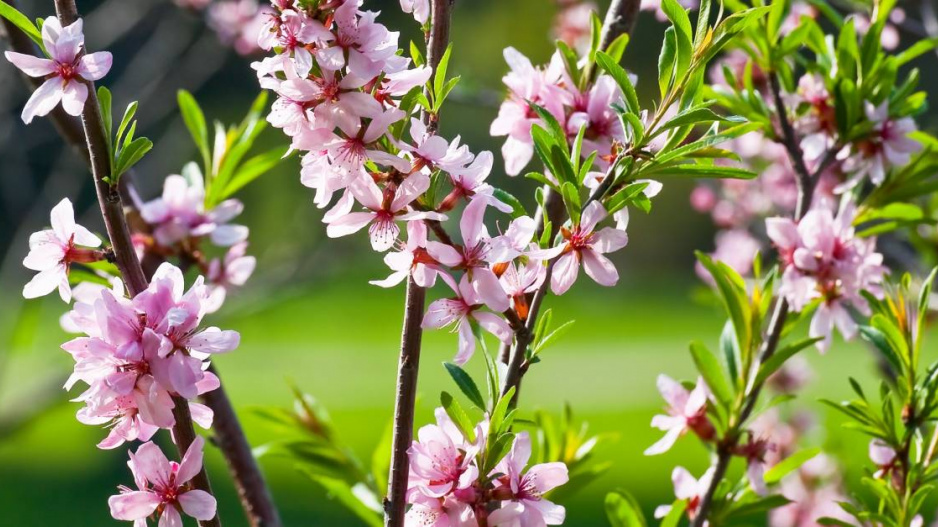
(308, 315)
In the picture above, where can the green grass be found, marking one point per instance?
(338, 340)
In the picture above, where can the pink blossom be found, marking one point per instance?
(582, 244)
(162, 486)
(238, 22)
(518, 281)
(888, 146)
(687, 411)
(233, 271)
(755, 453)
(526, 85)
(348, 154)
(385, 208)
(824, 260)
(884, 457)
(734, 247)
(522, 492)
(291, 32)
(573, 25)
(469, 182)
(594, 111)
(412, 258)
(463, 312)
(180, 213)
(368, 45)
(432, 151)
(442, 459)
(420, 9)
(686, 487)
(514, 242)
(52, 251)
(66, 68)
(439, 512)
(473, 256)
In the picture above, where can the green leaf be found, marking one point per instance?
(106, 107)
(676, 513)
(252, 169)
(781, 357)
(616, 48)
(553, 336)
(458, 415)
(381, 457)
(497, 422)
(571, 199)
(701, 171)
(710, 369)
(695, 116)
(497, 450)
(195, 121)
(439, 77)
(129, 156)
(466, 384)
(125, 121)
(683, 36)
(789, 465)
(517, 209)
(733, 292)
(666, 61)
(22, 22)
(623, 510)
(618, 74)
(344, 494)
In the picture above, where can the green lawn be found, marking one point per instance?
(344, 352)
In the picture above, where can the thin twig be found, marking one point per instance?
(806, 182)
(620, 18)
(395, 504)
(112, 210)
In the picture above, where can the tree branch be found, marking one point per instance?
(112, 210)
(395, 503)
(620, 19)
(229, 436)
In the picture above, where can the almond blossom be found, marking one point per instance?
(824, 259)
(52, 251)
(472, 256)
(687, 411)
(442, 460)
(889, 145)
(522, 491)
(412, 258)
(180, 213)
(385, 209)
(582, 244)
(686, 487)
(162, 487)
(66, 69)
(463, 312)
(223, 274)
(420, 9)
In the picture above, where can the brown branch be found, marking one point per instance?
(229, 436)
(620, 19)
(112, 210)
(395, 503)
(806, 182)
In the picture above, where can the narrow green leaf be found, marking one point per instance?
(623, 510)
(195, 121)
(22, 22)
(465, 384)
(710, 369)
(618, 74)
(789, 465)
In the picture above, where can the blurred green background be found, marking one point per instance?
(308, 315)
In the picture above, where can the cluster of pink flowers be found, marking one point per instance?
(140, 353)
(447, 489)
(178, 222)
(824, 260)
(552, 88)
(339, 83)
(140, 356)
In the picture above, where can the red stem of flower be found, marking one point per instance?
(395, 504)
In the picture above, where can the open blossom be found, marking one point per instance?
(224, 274)
(442, 460)
(825, 260)
(420, 9)
(522, 492)
(162, 487)
(519, 281)
(888, 146)
(582, 244)
(52, 251)
(439, 512)
(686, 487)
(463, 312)
(140, 352)
(687, 411)
(594, 111)
(180, 213)
(526, 85)
(66, 69)
(472, 257)
(385, 208)
(412, 258)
